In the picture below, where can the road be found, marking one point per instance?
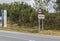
(16, 36)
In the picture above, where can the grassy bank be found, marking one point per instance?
(26, 29)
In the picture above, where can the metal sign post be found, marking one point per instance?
(40, 16)
(42, 25)
(39, 25)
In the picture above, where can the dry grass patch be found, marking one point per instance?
(34, 30)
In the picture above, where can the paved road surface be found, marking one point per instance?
(15, 36)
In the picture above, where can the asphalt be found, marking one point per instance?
(16, 36)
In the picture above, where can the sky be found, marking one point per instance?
(50, 6)
(30, 2)
(9, 1)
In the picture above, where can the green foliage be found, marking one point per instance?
(41, 3)
(58, 4)
(23, 14)
(52, 21)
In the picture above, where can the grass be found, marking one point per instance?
(26, 29)
(50, 32)
(20, 29)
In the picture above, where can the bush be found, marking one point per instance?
(24, 14)
(52, 21)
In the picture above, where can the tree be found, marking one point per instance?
(41, 3)
(0, 9)
(58, 5)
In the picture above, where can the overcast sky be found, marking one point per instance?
(10, 1)
(49, 7)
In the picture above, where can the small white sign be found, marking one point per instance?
(41, 16)
(0, 18)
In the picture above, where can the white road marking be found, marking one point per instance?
(31, 40)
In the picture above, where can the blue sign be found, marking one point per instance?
(4, 18)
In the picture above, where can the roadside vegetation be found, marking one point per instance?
(24, 18)
(30, 30)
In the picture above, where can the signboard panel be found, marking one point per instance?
(39, 11)
(4, 18)
(0, 18)
(41, 16)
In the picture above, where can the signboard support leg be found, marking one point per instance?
(39, 25)
(42, 25)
